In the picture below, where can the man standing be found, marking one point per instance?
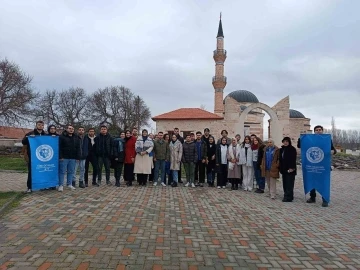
(69, 149)
(206, 136)
(224, 134)
(189, 159)
(91, 158)
(118, 155)
(201, 152)
(181, 139)
(38, 131)
(130, 153)
(103, 147)
(84, 151)
(318, 130)
(161, 156)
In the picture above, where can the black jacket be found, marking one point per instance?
(260, 156)
(218, 153)
(287, 159)
(91, 148)
(189, 152)
(118, 150)
(211, 151)
(84, 146)
(69, 146)
(103, 145)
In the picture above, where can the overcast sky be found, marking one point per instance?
(162, 50)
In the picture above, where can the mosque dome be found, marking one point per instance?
(243, 96)
(295, 114)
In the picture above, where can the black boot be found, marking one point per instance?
(73, 183)
(81, 184)
(311, 200)
(117, 183)
(174, 184)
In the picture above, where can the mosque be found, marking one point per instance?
(240, 112)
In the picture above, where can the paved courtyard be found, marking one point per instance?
(180, 228)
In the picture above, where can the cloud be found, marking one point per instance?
(162, 50)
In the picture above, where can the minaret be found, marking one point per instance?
(219, 80)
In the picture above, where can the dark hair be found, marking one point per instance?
(252, 135)
(259, 140)
(187, 135)
(91, 129)
(144, 130)
(176, 128)
(69, 125)
(122, 132)
(160, 132)
(134, 128)
(287, 139)
(206, 129)
(192, 134)
(39, 122)
(224, 130)
(318, 126)
(198, 132)
(166, 134)
(247, 136)
(103, 126)
(81, 127)
(128, 130)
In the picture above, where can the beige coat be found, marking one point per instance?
(143, 164)
(176, 151)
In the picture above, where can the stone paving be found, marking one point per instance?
(180, 228)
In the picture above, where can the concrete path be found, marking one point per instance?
(180, 228)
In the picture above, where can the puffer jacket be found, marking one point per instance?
(103, 145)
(189, 152)
(69, 147)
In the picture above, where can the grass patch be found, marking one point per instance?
(13, 164)
(5, 197)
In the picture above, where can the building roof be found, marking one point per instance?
(243, 96)
(13, 133)
(220, 30)
(295, 114)
(187, 113)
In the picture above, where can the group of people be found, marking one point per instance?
(159, 158)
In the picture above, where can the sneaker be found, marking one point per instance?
(192, 185)
(249, 189)
(223, 186)
(155, 184)
(201, 185)
(163, 184)
(108, 183)
(81, 184)
(218, 187)
(95, 184)
(325, 204)
(187, 184)
(311, 200)
(29, 191)
(245, 189)
(71, 187)
(272, 197)
(61, 188)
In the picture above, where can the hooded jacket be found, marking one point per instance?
(69, 147)
(287, 158)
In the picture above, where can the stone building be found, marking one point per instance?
(240, 112)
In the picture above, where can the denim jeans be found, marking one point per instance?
(66, 166)
(259, 179)
(81, 164)
(159, 166)
(175, 176)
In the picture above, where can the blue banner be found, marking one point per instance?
(44, 152)
(316, 163)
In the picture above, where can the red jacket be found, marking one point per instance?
(130, 150)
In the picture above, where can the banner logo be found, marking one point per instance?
(315, 155)
(44, 152)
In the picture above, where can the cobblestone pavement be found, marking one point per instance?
(180, 228)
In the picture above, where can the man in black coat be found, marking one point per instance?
(69, 149)
(91, 158)
(288, 168)
(38, 131)
(318, 130)
(103, 151)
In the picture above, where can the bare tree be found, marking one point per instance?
(16, 93)
(119, 108)
(70, 106)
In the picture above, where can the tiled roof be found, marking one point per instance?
(187, 113)
(13, 133)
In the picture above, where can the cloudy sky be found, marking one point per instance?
(162, 50)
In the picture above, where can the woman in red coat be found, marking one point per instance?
(130, 153)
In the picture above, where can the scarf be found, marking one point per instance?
(254, 146)
(269, 154)
(92, 140)
(142, 145)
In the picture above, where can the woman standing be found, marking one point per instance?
(246, 160)
(168, 173)
(288, 168)
(222, 163)
(270, 167)
(129, 158)
(176, 151)
(258, 151)
(143, 160)
(234, 171)
(118, 155)
(211, 162)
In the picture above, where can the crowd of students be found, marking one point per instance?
(159, 158)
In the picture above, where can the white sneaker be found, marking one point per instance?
(245, 189)
(155, 184)
(192, 185)
(71, 187)
(29, 190)
(187, 184)
(61, 188)
(249, 189)
(223, 187)
(219, 187)
(163, 184)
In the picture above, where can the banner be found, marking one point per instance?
(316, 163)
(44, 152)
